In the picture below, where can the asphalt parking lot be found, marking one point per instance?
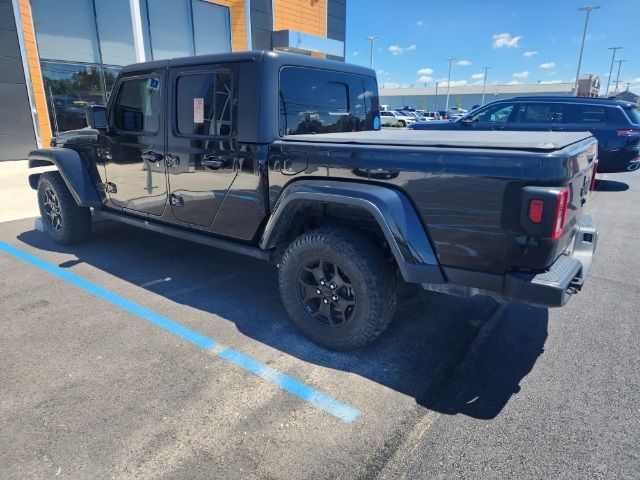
(103, 376)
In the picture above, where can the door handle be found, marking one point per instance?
(556, 129)
(498, 127)
(213, 162)
(151, 156)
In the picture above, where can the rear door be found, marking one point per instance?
(540, 116)
(135, 168)
(202, 142)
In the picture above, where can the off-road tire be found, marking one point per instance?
(372, 281)
(75, 221)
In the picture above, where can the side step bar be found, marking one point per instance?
(202, 238)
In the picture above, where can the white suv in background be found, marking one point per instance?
(394, 118)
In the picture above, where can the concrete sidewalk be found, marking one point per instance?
(17, 199)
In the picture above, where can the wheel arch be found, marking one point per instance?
(392, 211)
(73, 171)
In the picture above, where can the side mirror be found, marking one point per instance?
(97, 117)
(467, 120)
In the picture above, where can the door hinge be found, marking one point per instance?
(176, 200)
(107, 187)
(172, 160)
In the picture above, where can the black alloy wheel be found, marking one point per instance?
(326, 293)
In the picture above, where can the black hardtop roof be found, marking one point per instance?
(560, 98)
(278, 58)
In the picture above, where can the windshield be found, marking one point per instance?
(634, 114)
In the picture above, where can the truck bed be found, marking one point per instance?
(495, 140)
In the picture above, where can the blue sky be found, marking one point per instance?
(526, 41)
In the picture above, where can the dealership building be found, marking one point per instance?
(57, 57)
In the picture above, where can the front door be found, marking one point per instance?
(202, 141)
(135, 167)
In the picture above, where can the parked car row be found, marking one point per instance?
(614, 123)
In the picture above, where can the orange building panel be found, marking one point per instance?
(37, 85)
(238, 23)
(307, 16)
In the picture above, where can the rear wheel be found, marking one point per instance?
(62, 218)
(338, 287)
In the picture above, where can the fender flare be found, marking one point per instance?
(73, 170)
(392, 210)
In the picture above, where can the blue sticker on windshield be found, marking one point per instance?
(376, 123)
(154, 83)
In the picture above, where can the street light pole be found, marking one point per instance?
(619, 62)
(588, 9)
(613, 59)
(484, 84)
(372, 40)
(449, 83)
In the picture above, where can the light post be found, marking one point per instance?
(613, 59)
(449, 83)
(372, 40)
(619, 62)
(484, 84)
(588, 9)
(435, 103)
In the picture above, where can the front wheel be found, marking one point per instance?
(62, 218)
(338, 287)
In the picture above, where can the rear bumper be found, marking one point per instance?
(566, 275)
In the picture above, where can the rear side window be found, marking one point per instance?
(540, 113)
(321, 101)
(589, 114)
(203, 104)
(137, 108)
(633, 114)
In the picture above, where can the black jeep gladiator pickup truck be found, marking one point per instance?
(281, 157)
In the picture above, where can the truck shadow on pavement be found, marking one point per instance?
(437, 349)
(611, 186)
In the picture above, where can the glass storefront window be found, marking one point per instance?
(69, 89)
(66, 30)
(169, 29)
(115, 32)
(210, 28)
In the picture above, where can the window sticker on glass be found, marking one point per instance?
(154, 83)
(198, 110)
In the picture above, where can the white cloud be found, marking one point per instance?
(463, 63)
(425, 79)
(549, 82)
(454, 83)
(398, 50)
(548, 65)
(425, 71)
(514, 82)
(524, 74)
(506, 40)
(394, 85)
(477, 76)
(530, 53)
(420, 23)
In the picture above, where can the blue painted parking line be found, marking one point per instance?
(289, 384)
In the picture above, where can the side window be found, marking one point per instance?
(495, 113)
(541, 113)
(589, 114)
(322, 101)
(203, 104)
(137, 108)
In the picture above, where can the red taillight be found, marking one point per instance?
(536, 210)
(628, 132)
(560, 214)
(592, 186)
